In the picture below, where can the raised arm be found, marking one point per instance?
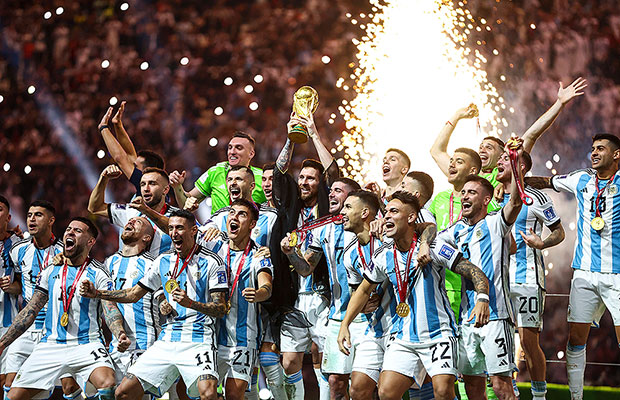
(303, 264)
(160, 220)
(328, 162)
(119, 155)
(284, 158)
(129, 295)
(24, 319)
(114, 321)
(543, 123)
(513, 207)
(96, 202)
(121, 134)
(356, 304)
(439, 150)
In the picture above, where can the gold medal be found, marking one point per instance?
(598, 223)
(171, 284)
(64, 319)
(402, 309)
(292, 241)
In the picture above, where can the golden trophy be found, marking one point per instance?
(305, 102)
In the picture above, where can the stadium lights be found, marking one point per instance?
(228, 81)
(556, 158)
(213, 142)
(47, 15)
(258, 78)
(144, 66)
(60, 10)
(326, 59)
(184, 61)
(253, 106)
(100, 154)
(31, 89)
(218, 111)
(248, 89)
(6, 167)
(27, 169)
(124, 6)
(113, 100)
(105, 64)
(1, 98)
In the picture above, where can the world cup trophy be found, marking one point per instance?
(305, 102)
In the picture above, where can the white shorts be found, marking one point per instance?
(369, 355)
(335, 361)
(489, 349)
(236, 362)
(297, 340)
(122, 361)
(19, 351)
(529, 304)
(162, 363)
(415, 360)
(3, 356)
(590, 294)
(50, 361)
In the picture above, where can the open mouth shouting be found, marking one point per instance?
(70, 243)
(386, 169)
(178, 243)
(466, 206)
(233, 227)
(235, 192)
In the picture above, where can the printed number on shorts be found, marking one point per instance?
(101, 352)
(528, 304)
(445, 347)
(207, 359)
(238, 355)
(501, 343)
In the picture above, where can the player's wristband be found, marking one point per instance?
(482, 297)
(102, 127)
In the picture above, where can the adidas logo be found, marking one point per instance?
(584, 190)
(445, 365)
(503, 363)
(532, 318)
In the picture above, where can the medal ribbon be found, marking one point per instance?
(176, 274)
(514, 161)
(245, 253)
(451, 215)
(43, 265)
(599, 194)
(361, 253)
(403, 283)
(316, 224)
(66, 299)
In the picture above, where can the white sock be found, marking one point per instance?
(575, 367)
(294, 385)
(323, 384)
(270, 363)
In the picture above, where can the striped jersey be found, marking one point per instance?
(595, 251)
(205, 273)
(331, 240)
(261, 234)
(487, 246)
(307, 214)
(84, 314)
(29, 261)
(380, 321)
(527, 265)
(8, 302)
(141, 317)
(430, 316)
(242, 325)
(119, 214)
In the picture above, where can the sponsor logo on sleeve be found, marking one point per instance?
(446, 252)
(265, 263)
(549, 213)
(221, 277)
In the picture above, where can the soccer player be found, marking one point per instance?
(196, 284)
(240, 184)
(396, 164)
(596, 275)
(301, 202)
(424, 330)
(212, 183)
(122, 150)
(329, 241)
(154, 186)
(10, 283)
(527, 268)
(30, 257)
(127, 267)
(267, 183)
(421, 185)
(250, 276)
(73, 340)
(484, 239)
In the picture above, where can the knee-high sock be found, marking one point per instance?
(294, 385)
(323, 384)
(270, 363)
(539, 389)
(575, 367)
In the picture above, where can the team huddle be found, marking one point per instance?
(391, 290)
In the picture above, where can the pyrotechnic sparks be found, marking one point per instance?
(414, 71)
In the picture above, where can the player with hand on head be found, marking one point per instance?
(423, 332)
(73, 340)
(196, 284)
(596, 269)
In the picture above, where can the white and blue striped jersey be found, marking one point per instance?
(205, 273)
(28, 261)
(84, 313)
(8, 302)
(487, 246)
(331, 240)
(140, 317)
(119, 214)
(307, 214)
(380, 321)
(261, 234)
(430, 315)
(595, 251)
(527, 264)
(242, 325)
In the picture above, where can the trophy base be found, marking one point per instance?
(298, 134)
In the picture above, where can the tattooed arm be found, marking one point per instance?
(129, 295)
(481, 285)
(284, 159)
(24, 319)
(216, 308)
(114, 321)
(303, 264)
(429, 232)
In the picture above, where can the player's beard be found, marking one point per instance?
(154, 201)
(75, 252)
